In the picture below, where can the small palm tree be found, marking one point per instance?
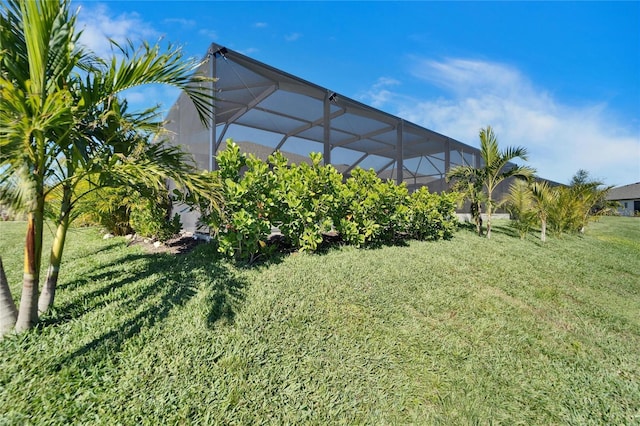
(575, 205)
(468, 181)
(496, 168)
(543, 199)
(519, 203)
(62, 119)
(590, 195)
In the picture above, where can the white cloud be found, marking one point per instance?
(292, 36)
(249, 51)
(560, 138)
(209, 34)
(99, 25)
(186, 23)
(260, 25)
(380, 94)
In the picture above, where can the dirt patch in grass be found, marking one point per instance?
(178, 245)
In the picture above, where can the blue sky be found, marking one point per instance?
(560, 78)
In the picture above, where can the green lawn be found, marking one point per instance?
(455, 332)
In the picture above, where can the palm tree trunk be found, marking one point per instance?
(49, 290)
(28, 313)
(475, 214)
(543, 230)
(489, 218)
(8, 311)
(48, 293)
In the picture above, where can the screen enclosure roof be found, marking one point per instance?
(259, 104)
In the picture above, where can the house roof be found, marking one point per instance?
(626, 192)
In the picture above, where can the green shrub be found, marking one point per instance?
(108, 207)
(243, 227)
(565, 213)
(151, 218)
(122, 211)
(519, 202)
(432, 216)
(306, 200)
(374, 210)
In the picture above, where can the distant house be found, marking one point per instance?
(629, 198)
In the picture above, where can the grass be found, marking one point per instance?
(455, 332)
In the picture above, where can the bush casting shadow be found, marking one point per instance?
(144, 298)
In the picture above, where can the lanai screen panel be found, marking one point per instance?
(268, 110)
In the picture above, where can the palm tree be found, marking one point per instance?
(543, 198)
(519, 203)
(575, 205)
(498, 167)
(468, 181)
(590, 195)
(143, 168)
(34, 105)
(58, 105)
(122, 158)
(9, 313)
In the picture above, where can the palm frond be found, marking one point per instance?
(150, 65)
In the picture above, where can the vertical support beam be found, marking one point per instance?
(326, 122)
(212, 116)
(399, 154)
(447, 156)
(447, 165)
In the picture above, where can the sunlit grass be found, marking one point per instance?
(452, 332)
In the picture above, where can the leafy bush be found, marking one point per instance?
(122, 211)
(564, 212)
(109, 208)
(375, 210)
(243, 226)
(151, 218)
(560, 209)
(577, 204)
(306, 201)
(432, 216)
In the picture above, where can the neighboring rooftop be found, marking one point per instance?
(626, 192)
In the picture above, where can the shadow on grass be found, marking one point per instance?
(496, 228)
(468, 226)
(131, 302)
(281, 247)
(112, 244)
(505, 229)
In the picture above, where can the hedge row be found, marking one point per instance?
(309, 201)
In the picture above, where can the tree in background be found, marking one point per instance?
(577, 204)
(590, 195)
(560, 209)
(63, 122)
